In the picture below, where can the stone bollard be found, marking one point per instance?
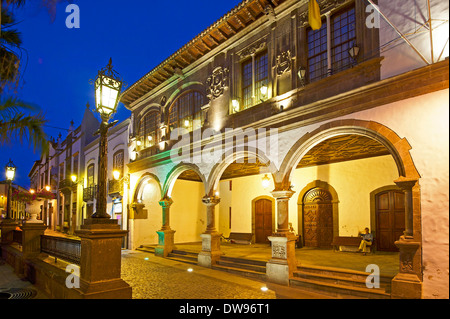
(7, 227)
(100, 266)
(31, 238)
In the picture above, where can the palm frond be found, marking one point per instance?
(18, 126)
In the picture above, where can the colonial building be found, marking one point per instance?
(18, 208)
(61, 173)
(260, 122)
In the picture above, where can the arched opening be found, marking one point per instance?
(185, 188)
(145, 212)
(355, 157)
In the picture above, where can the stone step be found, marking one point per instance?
(340, 280)
(240, 271)
(244, 266)
(183, 256)
(344, 275)
(147, 249)
(338, 290)
(237, 260)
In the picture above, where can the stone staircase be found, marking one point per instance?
(245, 267)
(339, 283)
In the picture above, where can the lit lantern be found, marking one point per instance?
(116, 174)
(10, 171)
(265, 181)
(107, 89)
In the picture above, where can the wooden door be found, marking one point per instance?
(263, 220)
(390, 219)
(318, 218)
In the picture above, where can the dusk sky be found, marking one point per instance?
(137, 35)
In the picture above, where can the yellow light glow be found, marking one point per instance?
(265, 181)
(74, 178)
(150, 138)
(116, 174)
(32, 191)
(263, 90)
(47, 188)
(235, 104)
(186, 123)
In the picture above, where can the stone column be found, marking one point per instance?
(211, 237)
(407, 284)
(100, 266)
(406, 185)
(283, 262)
(165, 234)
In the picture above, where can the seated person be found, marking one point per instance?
(367, 239)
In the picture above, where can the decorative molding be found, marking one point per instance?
(253, 48)
(217, 82)
(284, 62)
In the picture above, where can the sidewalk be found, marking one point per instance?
(14, 287)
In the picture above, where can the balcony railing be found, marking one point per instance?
(115, 187)
(17, 236)
(67, 182)
(60, 247)
(89, 193)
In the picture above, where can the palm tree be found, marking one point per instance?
(10, 42)
(17, 125)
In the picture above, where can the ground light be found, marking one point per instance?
(190, 270)
(264, 289)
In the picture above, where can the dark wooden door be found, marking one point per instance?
(263, 220)
(390, 219)
(317, 218)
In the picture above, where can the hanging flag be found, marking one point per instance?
(314, 15)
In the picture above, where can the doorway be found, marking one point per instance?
(390, 219)
(318, 218)
(263, 227)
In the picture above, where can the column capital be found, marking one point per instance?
(406, 183)
(210, 200)
(166, 202)
(282, 194)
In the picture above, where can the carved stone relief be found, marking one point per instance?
(278, 251)
(284, 63)
(217, 82)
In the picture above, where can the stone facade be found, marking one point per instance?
(218, 78)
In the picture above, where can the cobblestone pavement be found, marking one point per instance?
(154, 277)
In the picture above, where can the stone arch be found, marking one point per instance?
(139, 188)
(334, 201)
(173, 175)
(398, 147)
(218, 169)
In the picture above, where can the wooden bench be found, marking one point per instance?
(349, 241)
(240, 238)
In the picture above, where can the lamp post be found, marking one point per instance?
(107, 89)
(10, 173)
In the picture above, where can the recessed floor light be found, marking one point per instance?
(264, 289)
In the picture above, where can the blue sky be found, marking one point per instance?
(136, 34)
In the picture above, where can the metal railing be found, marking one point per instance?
(89, 193)
(17, 236)
(60, 247)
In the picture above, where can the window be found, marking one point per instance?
(148, 129)
(118, 162)
(90, 175)
(75, 165)
(343, 37)
(186, 111)
(254, 76)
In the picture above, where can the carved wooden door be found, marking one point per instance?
(317, 218)
(390, 219)
(263, 220)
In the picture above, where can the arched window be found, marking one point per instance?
(148, 129)
(186, 111)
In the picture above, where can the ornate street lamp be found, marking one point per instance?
(10, 173)
(108, 85)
